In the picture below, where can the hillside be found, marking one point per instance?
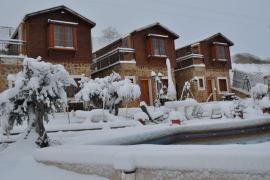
(246, 58)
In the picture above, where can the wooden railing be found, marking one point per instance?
(12, 47)
(189, 60)
(111, 58)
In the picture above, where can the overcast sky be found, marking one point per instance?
(245, 22)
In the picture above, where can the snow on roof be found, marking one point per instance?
(54, 9)
(156, 24)
(210, 37)
(58, 8)
(136, 30)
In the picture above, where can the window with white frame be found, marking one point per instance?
(131, 78)
(222, 84)
(201, 83)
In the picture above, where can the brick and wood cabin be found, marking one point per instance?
(136, 55)
(59, 35)
(209, 60)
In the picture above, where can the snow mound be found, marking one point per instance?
(96, 115)
(141, 116)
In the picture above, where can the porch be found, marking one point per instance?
(12, 50)
(116, 56)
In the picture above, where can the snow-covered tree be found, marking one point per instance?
(35, 92)
(171, 91)
(109, 34)
(108, 92)
(259, 91)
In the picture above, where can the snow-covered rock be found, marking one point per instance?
(141, 116)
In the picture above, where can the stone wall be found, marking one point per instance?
(139, 72)
(186, 75)
(5, 70)
(78, 69)
(209, 74)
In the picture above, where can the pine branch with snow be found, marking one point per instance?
(259, 91)
(35, 92)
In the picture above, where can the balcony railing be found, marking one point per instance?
(189, 60)
(12, 47)
(116, 56)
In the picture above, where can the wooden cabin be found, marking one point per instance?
(59, 35)
(205, 64)
(136, 55)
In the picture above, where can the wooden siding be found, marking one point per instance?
(139, 41)
(38, 40)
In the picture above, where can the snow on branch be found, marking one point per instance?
(35, 92)
(108, 91)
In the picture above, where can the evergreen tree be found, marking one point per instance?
(35, 92)
(108, 92)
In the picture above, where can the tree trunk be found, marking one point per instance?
(43, 140)
(116, 109)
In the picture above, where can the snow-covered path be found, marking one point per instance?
(17, 163)
(234, 158)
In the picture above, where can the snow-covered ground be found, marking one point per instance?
(253, 158)
(77, 148)
(86, 148)
(17, 163)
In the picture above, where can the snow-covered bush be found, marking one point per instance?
(176, 115)
(264, 103)
(96, 115)
(35, 92)
(141, 117)
(259, 91)
(108, 92)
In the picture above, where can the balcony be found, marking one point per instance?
(191, 60)
(12, 47)
(114, 57)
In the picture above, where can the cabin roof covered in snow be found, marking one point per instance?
(175, 36)
(230, 43)
(62, 7)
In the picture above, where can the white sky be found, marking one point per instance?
(245, 22)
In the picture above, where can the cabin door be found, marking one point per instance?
(145, 96)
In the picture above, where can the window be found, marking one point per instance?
(158, 46)
(221, 52)
(222, 85)
(131, 78)
(201, 84)
(68, 40)
(58, 35)
(62, 36)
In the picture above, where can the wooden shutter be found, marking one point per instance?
(74, 35)
(51, 35)
(214, 52)
(149, 46)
